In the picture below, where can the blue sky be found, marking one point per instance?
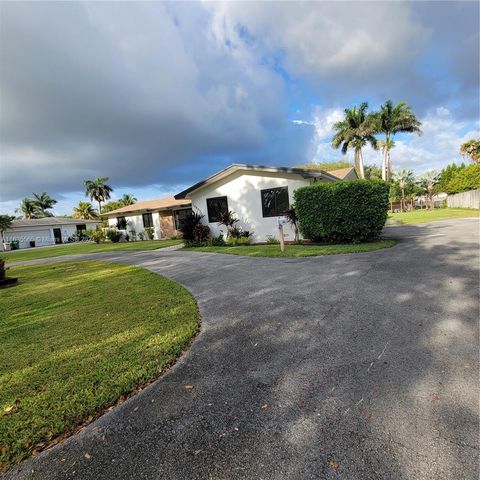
(159, 95)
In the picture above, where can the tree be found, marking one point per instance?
(391, 120)
(44, 202)
(372, 171)
(404, 179)
(471, 150)
(85, 211)
(427, 182)
(325, 166)
(446, 175)
(5, 224)
(98, 190)
(355, 131)
(292, 219)
(467, 178)
(29, 209)
(128, 199)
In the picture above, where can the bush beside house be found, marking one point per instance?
(351, 211)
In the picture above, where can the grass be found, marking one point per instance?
(297, 250)
(75, 338)
(71, 249)
(423, 216)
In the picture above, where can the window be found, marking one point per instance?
(147, 220)
(216, 207)
(121, 223)
(179, 215)
(81, 228)
(274, 201)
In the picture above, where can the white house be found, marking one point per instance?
(258, 195)
(161, 214)
(39, 232)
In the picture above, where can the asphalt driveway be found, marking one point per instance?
(350, 366)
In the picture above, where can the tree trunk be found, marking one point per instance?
(384, 164)
(99, 207)
(403, 199)
(389, 165)
(359, 162)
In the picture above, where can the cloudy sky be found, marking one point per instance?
(159, 95)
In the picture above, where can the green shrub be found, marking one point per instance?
(464, 180)
(96, 235)
(235, 241)
(149, 232)
(351, 211)
(216, 241)
(114, 235)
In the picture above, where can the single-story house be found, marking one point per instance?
(258, 195)
(40, 232)
(348, 173)
(162, 214)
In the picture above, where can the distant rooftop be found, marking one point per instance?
(50, 222)
(164, 203)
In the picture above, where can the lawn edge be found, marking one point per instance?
(80, 426)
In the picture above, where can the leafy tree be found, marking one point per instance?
(44, 202)
(292, 219)
(467, 178)
(449, 172)
(391, 120)
(471, 150)
(85, 211)
(372, 171)
(427, 182)
(98, 190)
(355, 131)
(29, 209)
(404, 179)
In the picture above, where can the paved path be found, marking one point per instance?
(344, 367)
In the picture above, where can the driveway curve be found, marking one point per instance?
(351, 366)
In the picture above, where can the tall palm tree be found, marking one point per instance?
(128, 199)
(386, 146)
(29, 209)
(85, 211)
(98, 190)
(427, 182)
(390, 121)
(403, 178)
(355, 131)
(44, 202)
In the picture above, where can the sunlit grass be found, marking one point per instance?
(87, 247)
(77, 336)
(297, 250)
(421, 216)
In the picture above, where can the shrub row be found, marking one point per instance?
(351, 211)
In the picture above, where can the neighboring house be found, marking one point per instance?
(345, 173)
(258, 195)
(161, 214)
(45, 231)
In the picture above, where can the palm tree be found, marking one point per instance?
(128, 199)
(98, 190)
(385, 146)
(403, 178)
(44, 202)
(390, 121)
(427, 182)
(85, 211)
(355, 131)
(29, 209)
(5, 224)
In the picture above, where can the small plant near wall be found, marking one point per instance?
(217, 241)
(236, 241)
(114, 235)
(292, 219)
(149, 231)
(142, 235)
(131, 230)
(272, 240)
(194, 233)
(97, 235)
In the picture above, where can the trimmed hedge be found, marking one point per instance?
(351, 211)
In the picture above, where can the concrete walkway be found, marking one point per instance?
(344, 367)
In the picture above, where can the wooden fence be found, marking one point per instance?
(469, 199)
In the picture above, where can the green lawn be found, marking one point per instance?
(422, 216)
(76, 337)
(70, 249)
(296, 250)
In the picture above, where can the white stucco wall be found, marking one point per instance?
(242, 189)
(137, 222)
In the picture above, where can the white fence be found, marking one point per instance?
(469, 199)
